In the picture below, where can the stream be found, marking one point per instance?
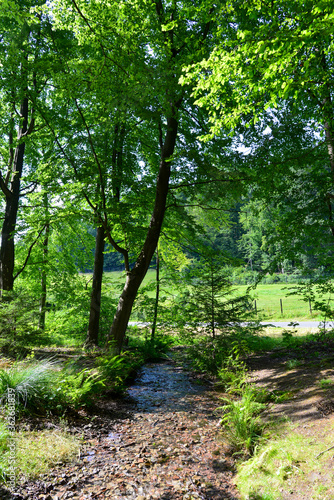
(163, 387)
(162, 441)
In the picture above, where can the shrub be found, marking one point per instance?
(208, 355)
(41, 387)
(151, 349)
(217, 355)
(18, 316)
(232, 376)
(116, 370)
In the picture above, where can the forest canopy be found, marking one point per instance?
(140, 133)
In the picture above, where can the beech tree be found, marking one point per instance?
(17, 120)
(27, 65)
(145, 45)
(273, 71)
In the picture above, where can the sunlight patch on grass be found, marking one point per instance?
(37, 452)
(289, 464)
(297, 332)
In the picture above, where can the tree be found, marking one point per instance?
(273, 55)
(17, 123)
(208, 301)
(148, 56)
(27, 66)
(95, 302)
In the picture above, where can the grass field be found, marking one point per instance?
(267, 298)
(268, 303)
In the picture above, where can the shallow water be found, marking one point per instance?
(162, 386)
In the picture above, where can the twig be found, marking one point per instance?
(330, 448)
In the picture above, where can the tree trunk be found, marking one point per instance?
(7, 249)
(213, 319)
(135, 277)
(95, 301)
(157, 292)
(42, 303)
(326, 107)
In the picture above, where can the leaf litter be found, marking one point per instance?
(164, 443)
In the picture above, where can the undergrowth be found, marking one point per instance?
(281, 465)
(47, 387)
(36, 452)
(241, 421)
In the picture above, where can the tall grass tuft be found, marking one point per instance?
(30, 382)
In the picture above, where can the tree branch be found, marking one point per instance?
(29, 252)
(178, 186)
(119, 249)
(94, 154)
(7, 192)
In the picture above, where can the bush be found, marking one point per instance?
(214, 355)
(18, 316)
(75, 389)
(41, 387)
(151, 349)
(232, 376)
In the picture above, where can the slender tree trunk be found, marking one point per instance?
(117, 160)
(42, 303)
(327, 110)
(157, 293)
(330, 149)
(95, 301)
(212, 302)
(135, 277)
(12, 194)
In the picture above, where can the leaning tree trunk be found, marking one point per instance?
(135, 277)
(95, 301)
(12, 194)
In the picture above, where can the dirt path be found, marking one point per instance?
(165, 445)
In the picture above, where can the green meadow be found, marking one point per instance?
(268, 303)
(268, 297)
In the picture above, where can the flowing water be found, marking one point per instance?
(163, 387)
